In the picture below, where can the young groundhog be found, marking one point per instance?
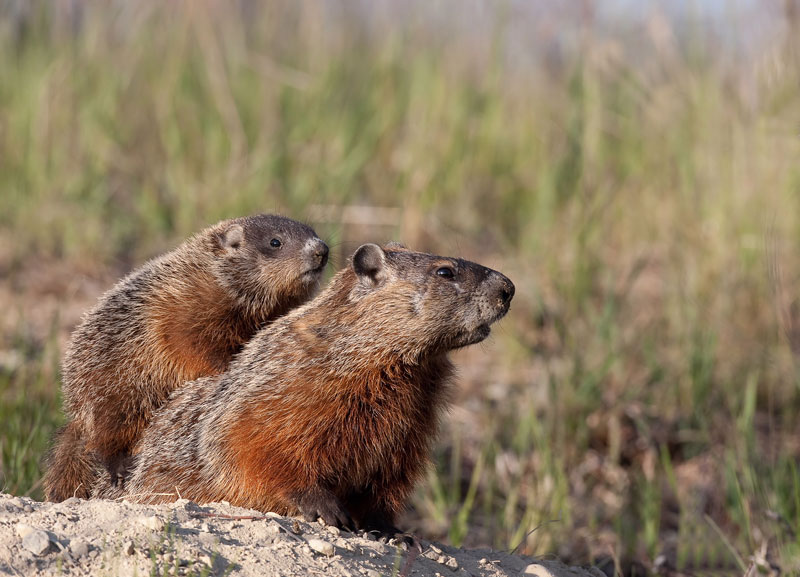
(331, 410)
(179, 317)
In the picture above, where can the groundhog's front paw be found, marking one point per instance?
(322, 504)
(385, 531)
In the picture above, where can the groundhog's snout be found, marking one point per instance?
(503, 289)
(506, 290)
(318, 252)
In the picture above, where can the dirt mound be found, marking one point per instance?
(80, 537)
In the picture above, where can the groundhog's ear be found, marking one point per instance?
(369, 263)
(232, 238)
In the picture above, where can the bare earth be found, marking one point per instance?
(80, 537)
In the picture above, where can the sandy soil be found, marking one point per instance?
(80, 537)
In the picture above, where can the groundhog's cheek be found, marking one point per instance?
(277, 278)
(472, 320)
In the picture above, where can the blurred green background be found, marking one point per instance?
(634, 167)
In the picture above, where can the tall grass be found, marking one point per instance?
(640, 393)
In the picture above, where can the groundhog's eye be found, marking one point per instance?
(275, 243)
(445, 272)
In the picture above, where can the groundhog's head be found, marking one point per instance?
(426, 302)
(269, 261)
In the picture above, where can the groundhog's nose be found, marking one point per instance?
(320, 252)
(506, 290)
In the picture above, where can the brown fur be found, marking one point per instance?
(331, 410)
(179, 317)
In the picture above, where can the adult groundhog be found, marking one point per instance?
(179, 317)
(331, 410)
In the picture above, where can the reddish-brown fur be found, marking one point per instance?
(179, 317)
(331, 410)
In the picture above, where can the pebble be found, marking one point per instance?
(372, 573)
(451, 563)
(334, 530)
(345, 544)
(79, 548)
(538, 570)
(16, 502)
(71, 501)
(37, 542)
(153, 522)
(321, 546)
(206, 559)
(23, 530)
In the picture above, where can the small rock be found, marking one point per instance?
(128, 548)
(372, 573)
(322, 547)
(23, 530)
(538, 570)
(37, 542)
(79, 548)
(272, 529)
(334, 530)
(435, 549)
(281, 539)
(152, 522)
(206, 559)
(71, 501)
(451, 563)
(204, 528)
(28, 509)
(345, 544)
(16, 502)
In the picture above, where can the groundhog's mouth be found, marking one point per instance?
(471, 337)
(483, 331)
(313, 274)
